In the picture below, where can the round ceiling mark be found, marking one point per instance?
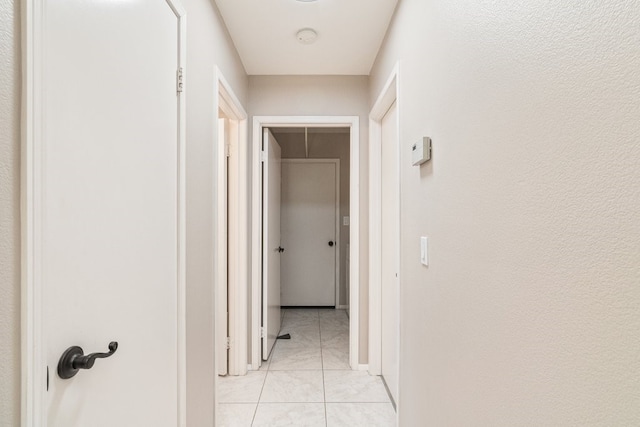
(307, 35)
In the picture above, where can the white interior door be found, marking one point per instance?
(271, 248)
(222, 281)
(390, 251)
(309, 232)
(109, 212)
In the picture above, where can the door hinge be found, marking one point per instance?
(179, 80)
(263, 156)
(262, 332)
(228, 343)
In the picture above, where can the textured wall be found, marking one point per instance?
(529, 312)
(208, 44)
(9, 213)
(325, 96)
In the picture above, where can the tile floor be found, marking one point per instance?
(306, 381)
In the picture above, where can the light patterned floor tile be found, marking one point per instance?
(300, 375)
(335, 358)
(360, 415)
(265, 364)
(300, 313)
(300, 323)
(235, 414)
(300, 338)
(293, 387)
(295, 359)
(339, 340)
(241, 389)
(290, 414)
(354, 386)
(328, 332)
(332, 313)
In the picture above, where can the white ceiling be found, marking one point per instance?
(350, 33)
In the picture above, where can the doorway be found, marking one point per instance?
(315, 216)
(230, 225)
(302, 249)
(390, 251)
(384, 215)
(288, 129)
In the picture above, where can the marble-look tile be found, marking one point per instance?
(360, 415)
(300, 313)
(304, 338)
(337, 318)
(332, 331)
(295, 359)
(305, 327)
(335, 358)
(332, 313)
(241, 389)
(293, 386)
(300, 323)
(290, 414)
(334, 322)
(339, 340)
(235, 414)
(266, 363)
(353, 386)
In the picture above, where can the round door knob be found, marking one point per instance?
(331, 243)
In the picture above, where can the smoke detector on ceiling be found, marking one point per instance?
(307, 35)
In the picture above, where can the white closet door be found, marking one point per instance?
(309, 216)
(271, 248)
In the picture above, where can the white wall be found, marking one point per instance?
(325, 96)
(9, 213)
(208, 45)
(326, 146)
(529, 312)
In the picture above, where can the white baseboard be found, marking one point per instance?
(362, 367)
(342, 307)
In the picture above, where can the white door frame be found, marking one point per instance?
(336, 162)
(353, 123)
(238, 261)
(34, 374)
(388, 95)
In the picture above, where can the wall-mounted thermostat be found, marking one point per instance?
(421, 151)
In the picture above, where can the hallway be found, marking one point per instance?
(306, 381)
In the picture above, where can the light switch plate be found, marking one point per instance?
(345, 220)
(424, 250)
(421, 151)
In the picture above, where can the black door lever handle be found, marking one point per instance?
(73, 359)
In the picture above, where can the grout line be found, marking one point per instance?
(255, 412)
(324, 388)
(288, 402)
